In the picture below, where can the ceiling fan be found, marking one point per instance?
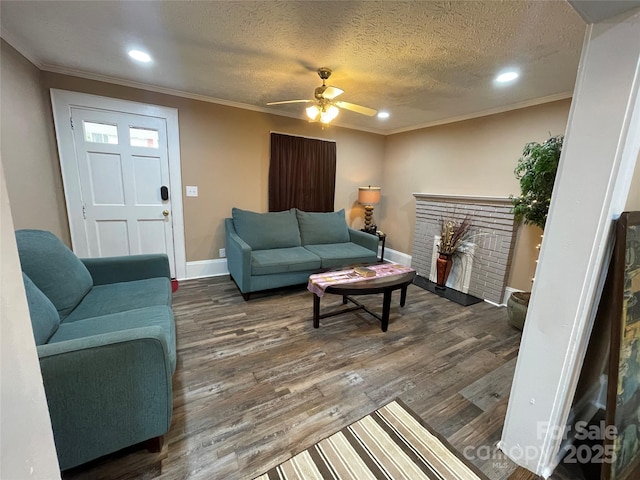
(325, 108)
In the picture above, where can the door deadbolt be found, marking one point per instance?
(165, 213)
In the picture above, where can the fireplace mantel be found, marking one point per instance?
(462, 198)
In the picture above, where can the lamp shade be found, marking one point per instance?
(368, 195)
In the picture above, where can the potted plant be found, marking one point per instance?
(452, 234)
(536, 172)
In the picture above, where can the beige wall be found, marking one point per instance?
(28, 147)
(225, 152)
(474, 157)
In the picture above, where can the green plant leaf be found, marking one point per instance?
(536, 170)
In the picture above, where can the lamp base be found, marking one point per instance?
(368, 217)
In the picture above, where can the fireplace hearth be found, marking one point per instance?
(455, 296)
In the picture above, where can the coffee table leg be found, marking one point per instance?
(316, 311)
(386, 307)
(403, 296)
(344, 300)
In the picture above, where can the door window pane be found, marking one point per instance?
(142, 137)
(100, 132)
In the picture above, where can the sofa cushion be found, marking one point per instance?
(160, 315)
(123, 296)
(342, 254)
(317, 228)
(281, 260)
(53, 268)
(44, 316)
(263, 231)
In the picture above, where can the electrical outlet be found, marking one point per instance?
(223, 253)
(192, 191)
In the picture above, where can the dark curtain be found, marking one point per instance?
(302, 174)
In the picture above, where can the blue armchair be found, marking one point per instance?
(105, 336)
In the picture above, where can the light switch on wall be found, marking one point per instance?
(192, 191)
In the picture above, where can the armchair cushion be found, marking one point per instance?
(122, 297)
(318, 228)
(44, 316)
(264, 231)
(53, 268)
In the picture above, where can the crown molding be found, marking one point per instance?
(183, 94)
(20, 48)
(462, 198)
(485, 113)
(153, 88)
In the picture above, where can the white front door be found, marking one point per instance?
(118, 182)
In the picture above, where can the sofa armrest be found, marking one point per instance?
(364, 239)
(238, 257)
(106, 392)
(127, 268)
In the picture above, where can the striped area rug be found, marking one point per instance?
(391, 443)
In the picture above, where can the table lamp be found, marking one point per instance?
(368, 197)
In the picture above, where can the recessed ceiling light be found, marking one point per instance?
(140, 56)
(383, 115)
(507, 76)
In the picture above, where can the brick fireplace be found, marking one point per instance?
(486, 267)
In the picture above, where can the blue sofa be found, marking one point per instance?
(276, 249)
(105, 337)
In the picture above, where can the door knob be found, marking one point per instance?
(165, 213)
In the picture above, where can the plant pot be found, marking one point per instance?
(517, 306)
(443, 268)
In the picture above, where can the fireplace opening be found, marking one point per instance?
(482, 267)
(460, 276)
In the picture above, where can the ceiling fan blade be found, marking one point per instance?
(332, 92)
(356, 108)
(289, 101)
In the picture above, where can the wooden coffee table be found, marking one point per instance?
(385, 285)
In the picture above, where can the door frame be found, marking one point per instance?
(63, 100)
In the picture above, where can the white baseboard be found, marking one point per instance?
(395, 256)
(494, 303)
(507, 293)
(206, 268)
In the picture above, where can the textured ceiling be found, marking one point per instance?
(424, 62)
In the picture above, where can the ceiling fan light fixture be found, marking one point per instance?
(312, 112)
(325, 108)
(329, 114)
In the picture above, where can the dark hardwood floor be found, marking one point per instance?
(256, 383)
